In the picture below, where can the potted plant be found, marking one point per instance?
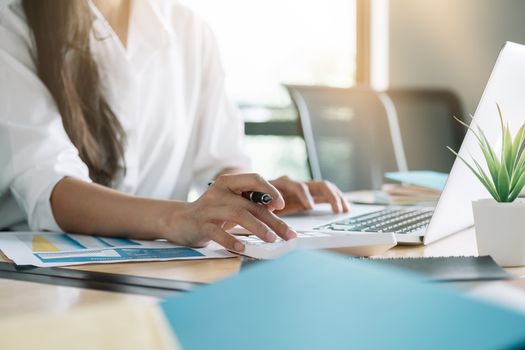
(500, 220)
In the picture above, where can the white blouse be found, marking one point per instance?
(166, 87)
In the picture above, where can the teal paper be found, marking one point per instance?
(429, 179)
(317, 300)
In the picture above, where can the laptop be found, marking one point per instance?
(370, 226)
(453, 212)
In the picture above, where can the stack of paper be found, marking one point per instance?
(415, 187)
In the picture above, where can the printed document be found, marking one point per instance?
(61, 249)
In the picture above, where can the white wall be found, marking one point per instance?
(451, 43)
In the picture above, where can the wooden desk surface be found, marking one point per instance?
(462, 244)
(17, 297)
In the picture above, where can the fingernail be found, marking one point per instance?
(270, 236)
(279, 203)
(291, 234)
(238, 246)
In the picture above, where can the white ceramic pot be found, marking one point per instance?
(500, 230)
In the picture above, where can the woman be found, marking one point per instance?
(110, 111)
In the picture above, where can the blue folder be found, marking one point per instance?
(318, 300)
(428, 179)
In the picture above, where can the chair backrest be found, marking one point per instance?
(427, 126)
(347, 134)
(354, 135)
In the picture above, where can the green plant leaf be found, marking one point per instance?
(502, 126)
(503, 184)
(520, 183)
(487, 183)
(489, 153)
(516, 144)
(519, 168)
(507, 172)
(490, 156)
(468, 127)
(479, 176)
(506, 143)
(506, 151)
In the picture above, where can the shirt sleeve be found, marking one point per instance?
(220, 136)
(35, 151)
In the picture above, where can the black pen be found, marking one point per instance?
(254, 196)
(258, 197)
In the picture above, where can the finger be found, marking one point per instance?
(278, 226)
(330, 196)
(238, 183)
(243, 217)
(265, 216)
(299, 190)
(235, 212)
(292, 206)
(344, 203)
(225, 239)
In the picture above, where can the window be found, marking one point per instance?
(267, 43)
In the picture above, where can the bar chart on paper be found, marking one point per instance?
(65, 242)
(60, 249)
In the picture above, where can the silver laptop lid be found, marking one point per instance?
(506, 86)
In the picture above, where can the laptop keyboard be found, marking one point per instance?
(396, 220)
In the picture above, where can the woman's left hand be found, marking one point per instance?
(300, 196)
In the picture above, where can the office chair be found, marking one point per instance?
(354, 135)
(427, 126)
(348, 135)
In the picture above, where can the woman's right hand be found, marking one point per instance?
(221, 207)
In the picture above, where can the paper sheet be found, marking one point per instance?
(59, 249)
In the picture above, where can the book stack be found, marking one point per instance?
(414, 187)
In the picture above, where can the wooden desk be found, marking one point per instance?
(462, 244)
(18, 297)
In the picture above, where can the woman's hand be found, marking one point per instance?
(301, 196)
(221, 207)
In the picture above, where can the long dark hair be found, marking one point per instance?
(65, 64)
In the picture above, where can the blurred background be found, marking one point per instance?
(398, 45)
